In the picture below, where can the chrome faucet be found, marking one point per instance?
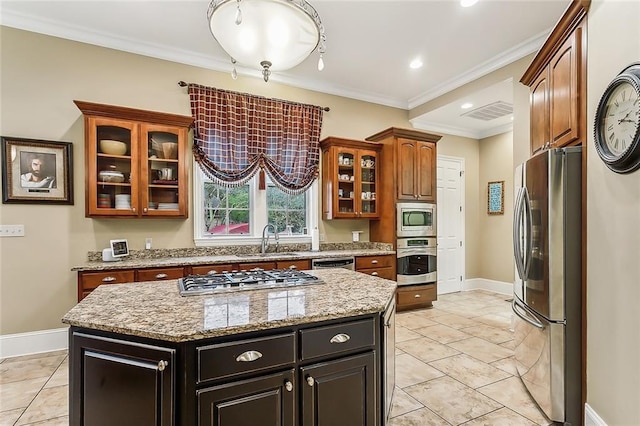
(264, 244)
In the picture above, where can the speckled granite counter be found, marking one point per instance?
(183, 257)
(156, 310)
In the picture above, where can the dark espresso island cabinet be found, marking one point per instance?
(263, 357)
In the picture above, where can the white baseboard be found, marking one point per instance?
(591, 418)
(489, 285)
(34, 342)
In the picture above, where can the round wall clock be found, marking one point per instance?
(617, 122)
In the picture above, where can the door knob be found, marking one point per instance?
(310, 381)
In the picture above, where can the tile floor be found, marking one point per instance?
(454, 366)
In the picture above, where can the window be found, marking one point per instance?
(226, 210)
(238, 215)
(287, 212)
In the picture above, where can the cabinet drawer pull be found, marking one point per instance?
(145, 210)
(249, 356)
(340, 338)
(293, 267)
(211, 272)
(310, 381)
(417, 296)
(108, 279)
(375, 274)
(374, 262)
(161, 276)
(162, 365)
(288, 386)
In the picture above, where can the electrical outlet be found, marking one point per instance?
(323, 237)
(147, 243)
(12, 231)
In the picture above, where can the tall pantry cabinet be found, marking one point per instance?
(408, 174)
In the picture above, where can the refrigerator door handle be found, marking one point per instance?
(525, 315)
(526, 206)
(517, 249)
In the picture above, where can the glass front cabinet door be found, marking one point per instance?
(349, 178)
(135, 162)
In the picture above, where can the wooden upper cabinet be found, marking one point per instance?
(350, 173)
(426, 173)
(149, 177)
(416, 170)
(540, 113)
(557, 82)
(563, 91)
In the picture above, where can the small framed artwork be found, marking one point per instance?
(36, 171)
(495, 197)
(119, 248)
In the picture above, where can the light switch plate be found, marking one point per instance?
(11, 230)
(147, 243)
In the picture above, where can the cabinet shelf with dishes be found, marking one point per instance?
(350, 178)
(135, 162)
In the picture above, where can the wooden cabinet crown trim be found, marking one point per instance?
(349, 143)
(119, 112)
(405, 133)
(571, 18)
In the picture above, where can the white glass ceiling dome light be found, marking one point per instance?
(271, 35)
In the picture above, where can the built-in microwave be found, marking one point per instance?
(416, 220)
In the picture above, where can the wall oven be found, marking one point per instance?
(416, 260)
(416, 220)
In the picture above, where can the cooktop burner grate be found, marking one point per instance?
(244, 280)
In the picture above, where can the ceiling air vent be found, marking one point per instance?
(490, 111)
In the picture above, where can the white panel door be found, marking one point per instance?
(450, 221)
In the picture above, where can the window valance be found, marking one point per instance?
(238, 134)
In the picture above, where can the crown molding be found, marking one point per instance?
(461, 131)
(525, 48)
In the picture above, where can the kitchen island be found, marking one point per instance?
(142, 354)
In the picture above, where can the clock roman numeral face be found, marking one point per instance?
(622, 114)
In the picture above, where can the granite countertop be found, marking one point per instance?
(181, 258)
(156, 310)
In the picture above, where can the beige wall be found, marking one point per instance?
(613, 242)
(494, 248)
(40, 77)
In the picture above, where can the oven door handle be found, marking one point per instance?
(407, 252)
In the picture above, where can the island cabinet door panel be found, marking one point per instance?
(265, 401)
(340, 393)
(120, 383)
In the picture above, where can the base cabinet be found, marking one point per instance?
(268, 401)
(123, 383)
(339, 393)
(327, 373)
(416, 296)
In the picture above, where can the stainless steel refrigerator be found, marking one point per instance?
(547, 240)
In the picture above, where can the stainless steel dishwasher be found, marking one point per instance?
(334, 262)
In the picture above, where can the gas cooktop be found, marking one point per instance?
(254, 279)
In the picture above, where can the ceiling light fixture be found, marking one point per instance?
(466, 105)
(415, 64)
(468, 3)
(269, 35)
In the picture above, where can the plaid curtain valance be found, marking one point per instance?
(237, 134)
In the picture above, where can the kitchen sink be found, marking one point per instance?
(273, 254)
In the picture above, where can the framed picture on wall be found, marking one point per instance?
(36, 171)
(495, 197)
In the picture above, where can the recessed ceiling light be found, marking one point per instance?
(468, 3)
(415, 64)
(466, 105)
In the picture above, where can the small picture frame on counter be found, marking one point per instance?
(495, 197)
(119, 248)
